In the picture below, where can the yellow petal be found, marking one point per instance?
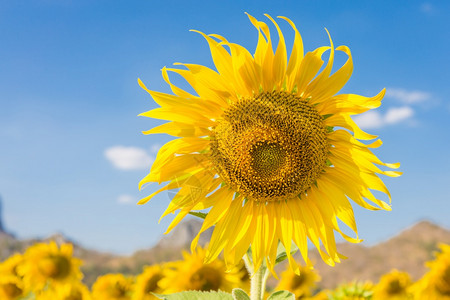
(296, 57)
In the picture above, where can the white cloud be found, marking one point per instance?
(373, 119)
(128, 158)
(370, 119)
(398, 114)
(408, 97)
(126, 199)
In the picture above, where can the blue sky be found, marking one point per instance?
(72, 152)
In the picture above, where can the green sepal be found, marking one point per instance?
(282, 256)
(198, 214)
(282, 295)
(239, 294)
(281, 252)
(196, 295)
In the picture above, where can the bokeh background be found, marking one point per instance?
(71, 148)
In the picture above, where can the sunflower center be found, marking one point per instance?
(298, 282)
(394, 287)
(152, 283)
(270, 147)
(11, 290)
(206, 279)
(55, 267)
(118, 290)
(74, 295)
(443, 284)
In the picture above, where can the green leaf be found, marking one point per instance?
(282, 295)
(239, 294)
(198, 214)
(196, 295)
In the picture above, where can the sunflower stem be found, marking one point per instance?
(258, 279)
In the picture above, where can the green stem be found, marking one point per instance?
(258, 279)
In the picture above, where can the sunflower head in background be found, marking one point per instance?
(73, 291)
(435, 284)
(11, 287)
(268, 147)
(147, 283)
(112, 287)
(192, 274)
(301, 285)
(47, 264)
(393, 285)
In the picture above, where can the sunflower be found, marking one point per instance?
(112, 287)
(11, 287)
(147, 283)
(9, 266)
(393, 285)
(267, 146)
(71, 291)
(300, 285)
(353, 291)
(49, 264)
(11, 284)
(192, 274)
(435, 284)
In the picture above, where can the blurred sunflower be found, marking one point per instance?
(266, 147)
(47, 264)
(9, 266)
(71, 291)
(300, 285)
(192, 274)
(435, 284)
(393, 285)
(353, 291)
(147, 282)
(112, 287)
(11, 287)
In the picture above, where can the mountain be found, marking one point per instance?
(407, 251)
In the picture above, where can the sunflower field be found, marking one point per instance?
(48, 271)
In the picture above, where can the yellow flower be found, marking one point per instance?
(11, 283)
(11, 287)
(147, 282)
(47, 264)
(300, 285)
(435, 285)
(112, 287)
(393, 285)
(71, 291)
(192, 274)
(9, 266)
(266, 147)
(353, 291)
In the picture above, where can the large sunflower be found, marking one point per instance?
(267, 146)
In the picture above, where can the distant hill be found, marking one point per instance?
(407, 251)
